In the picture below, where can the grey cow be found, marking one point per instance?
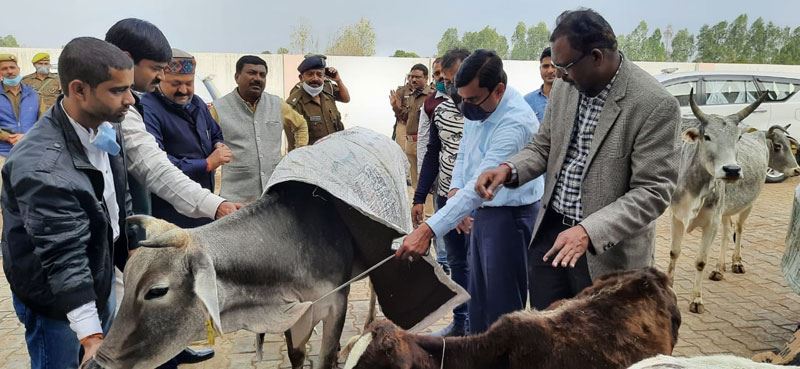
(722, 170)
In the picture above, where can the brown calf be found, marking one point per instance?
(619, 320)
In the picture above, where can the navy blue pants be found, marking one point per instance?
(457, 247)
(498, 281)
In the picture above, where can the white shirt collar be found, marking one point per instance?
(86, 135)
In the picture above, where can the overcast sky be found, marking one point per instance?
(253, 26)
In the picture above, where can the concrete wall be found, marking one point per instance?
(369, 79)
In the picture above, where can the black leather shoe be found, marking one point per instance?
(189, 356)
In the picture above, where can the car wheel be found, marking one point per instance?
(774, 176)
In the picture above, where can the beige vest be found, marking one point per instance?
(254, 139)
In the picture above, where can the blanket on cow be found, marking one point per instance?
(791, 257)
(366, 173)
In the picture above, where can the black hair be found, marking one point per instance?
(485, 65)
(437, 60)
(420, 67)
(141, 39)
(90, 60)
(452, 56)
(546, 53)
(585, 30)
(250, 59)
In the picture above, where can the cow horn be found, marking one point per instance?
(152, 226)
(173, 238)
(778, 128)
(702, 117)
(738, 117)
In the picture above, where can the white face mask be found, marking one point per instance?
(313, 91)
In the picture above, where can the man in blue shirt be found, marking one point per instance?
(497, 125)
(538, 99)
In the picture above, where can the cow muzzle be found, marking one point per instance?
(732, 172)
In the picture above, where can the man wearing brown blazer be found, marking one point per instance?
(608, 146)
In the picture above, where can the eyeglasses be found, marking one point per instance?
(565, 69)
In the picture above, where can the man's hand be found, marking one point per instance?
(415, 244)
(570, 246)
(490, 180)
(465, 226)
(452, 193)
(393, 100)
(14, 138)
(226, 208)
(90, 346)
(417, 214)
(222, 155)
(336, 76)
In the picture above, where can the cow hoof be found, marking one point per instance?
(697, 307)
(716, 276)
(738, 268)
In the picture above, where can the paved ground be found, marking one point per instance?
(745, 314)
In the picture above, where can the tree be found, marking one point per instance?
(790, 52)
(266, 52)
(282, 51)
(633, 45)
(404, 54)
(519, 46)
(302, 40)
(757, 42)
(355, 40)
(448, 41)
(711, 43)
(735, 48)
(487, 38)
(653, 48)
(682, 46)
(538, 39)
(8, 41)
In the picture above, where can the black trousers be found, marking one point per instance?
(548, 284)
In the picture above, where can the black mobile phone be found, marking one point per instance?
(330, 73)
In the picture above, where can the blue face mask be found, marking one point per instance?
(12, 81)
(440, 87)
(106, 139)
(474, 111)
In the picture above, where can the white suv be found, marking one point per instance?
(726, 93)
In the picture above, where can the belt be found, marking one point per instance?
(412, 138)
(565, 220)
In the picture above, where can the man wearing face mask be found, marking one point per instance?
(183, 127)
(409, 125)
(20, 106)
(64, 203)
(316, 95)
(253, 122)
(446, 129)
(45, 83)
(497, 124)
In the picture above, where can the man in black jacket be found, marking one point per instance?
(64, 204)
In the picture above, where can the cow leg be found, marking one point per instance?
(332, 326)
(678, 231)
(717, 274)
(736, 265)
(709, 233)
(297, 355)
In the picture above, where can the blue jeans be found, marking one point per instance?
(457, 246)
(498, 268)
(51, 343)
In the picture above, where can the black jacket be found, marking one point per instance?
(58, 251)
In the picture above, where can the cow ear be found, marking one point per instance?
(205, 285)
(691, 135)
(177, 237)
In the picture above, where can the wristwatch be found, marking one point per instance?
(514, 177)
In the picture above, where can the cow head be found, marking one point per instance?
(170, 292)
(717, 137)
(781, 155)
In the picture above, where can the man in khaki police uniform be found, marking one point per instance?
(315, 97)
(45, 83)
(409, 124)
